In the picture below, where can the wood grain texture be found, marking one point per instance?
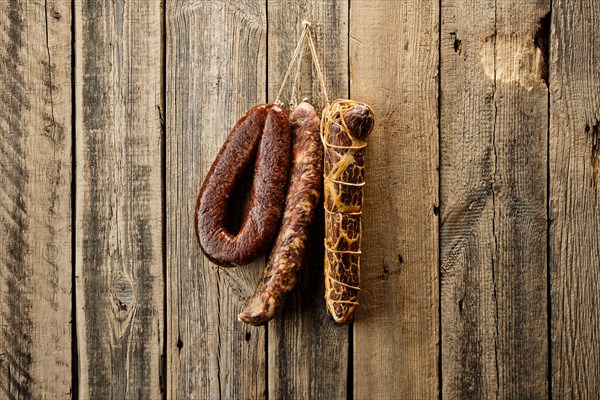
(575, 198)
(494, 121)
(517, 190)
(216, 71)
(469, 317)
(119, 253)
(35, 205)
(393, 68)
(307, 353)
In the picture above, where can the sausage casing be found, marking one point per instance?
(262, 135)
(281, 272)
(345, 126)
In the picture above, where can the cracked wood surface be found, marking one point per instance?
(575, 198)
(494, 124)
(119, 275)
(35, 200)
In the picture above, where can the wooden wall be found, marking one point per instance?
(481, 257)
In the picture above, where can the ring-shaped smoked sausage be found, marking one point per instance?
(263, 131)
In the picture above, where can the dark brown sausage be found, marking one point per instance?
(280, 274)
(264, 131)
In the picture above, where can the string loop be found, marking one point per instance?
(294, 58)
(297, 57)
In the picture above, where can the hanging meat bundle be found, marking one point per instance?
(344, 127)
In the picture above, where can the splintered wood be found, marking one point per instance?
(344, 127)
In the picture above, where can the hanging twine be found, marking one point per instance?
(315, 60)
(294, 59)
(295, 85)
(297, 58)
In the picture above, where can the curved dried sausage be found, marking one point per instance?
(285, 261)
(263, 134)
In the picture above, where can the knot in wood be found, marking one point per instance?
(123, 290)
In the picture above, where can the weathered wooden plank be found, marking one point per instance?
(467, 120)
(35, 203)
(216, 71)
(394, 68)
(575, 198)
(308, 354)
(520, 198)
(494, 126)
(118, 199)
